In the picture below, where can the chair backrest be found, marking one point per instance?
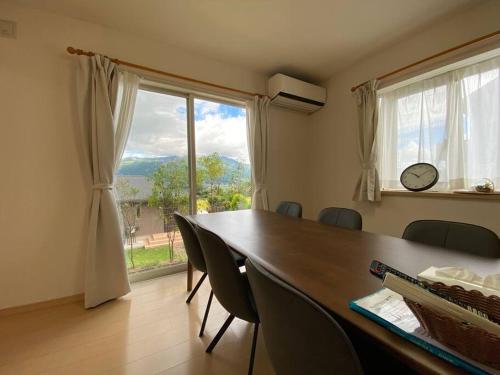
(341, 217)
(229, 285)
(300, 336)
(451, 235)
(293, 209)
(191, 242)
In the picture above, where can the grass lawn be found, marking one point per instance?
(150, 258)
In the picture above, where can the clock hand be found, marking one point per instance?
(424, 173)
(414, 174)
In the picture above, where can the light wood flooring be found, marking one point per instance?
(150, 331)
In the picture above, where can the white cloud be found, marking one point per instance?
(205, 107)
(226, 136)
(409, 153)
(159, 128)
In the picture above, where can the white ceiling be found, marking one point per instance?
(310, 39)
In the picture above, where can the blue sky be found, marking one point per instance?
(200, 112)
(224, 110)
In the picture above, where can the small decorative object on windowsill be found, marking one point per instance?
(486, 186)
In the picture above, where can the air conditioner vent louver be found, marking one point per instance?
(294, 94)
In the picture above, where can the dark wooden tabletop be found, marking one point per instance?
(331, 264)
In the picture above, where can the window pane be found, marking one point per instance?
(481, 122)
(222, 161)
(153, 181)
(422, 128)
(451, 121)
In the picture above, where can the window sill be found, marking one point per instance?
(443, 194)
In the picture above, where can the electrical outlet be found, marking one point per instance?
(7, 29)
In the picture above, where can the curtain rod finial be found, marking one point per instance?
(77, 51)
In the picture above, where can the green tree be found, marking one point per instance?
(211, 171)
(236, 194)
(128, 208)
(239, 183)
(170, 186)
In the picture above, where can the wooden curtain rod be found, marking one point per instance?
(433, 57)
(77, 51)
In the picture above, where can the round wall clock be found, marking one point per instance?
(419, 177)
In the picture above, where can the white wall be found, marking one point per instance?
(334, 145)
(289, 158)
(44, 196)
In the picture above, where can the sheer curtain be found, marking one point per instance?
(451, 121)
(128, 85)
(258, 135)
(105, 127)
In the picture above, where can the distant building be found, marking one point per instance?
(148, 218)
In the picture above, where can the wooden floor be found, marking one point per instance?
(150, 331)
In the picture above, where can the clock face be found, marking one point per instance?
(420, 176)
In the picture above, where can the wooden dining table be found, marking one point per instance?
(331, 265)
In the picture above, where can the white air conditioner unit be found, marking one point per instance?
(295, 94)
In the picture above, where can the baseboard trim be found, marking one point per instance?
(41, 305)
(140, 276)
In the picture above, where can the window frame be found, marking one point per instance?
(190, 95)
(421, 77)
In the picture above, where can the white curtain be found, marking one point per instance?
(368, 186)
(99, 84)
(258, 137)
(451, 121)
(127, 93)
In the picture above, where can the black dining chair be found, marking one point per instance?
(464, 237)
(341, 217)
(293, 209)
(300, 336)
(230, 286)
(196, 258)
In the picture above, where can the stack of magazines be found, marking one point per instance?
(450, 312)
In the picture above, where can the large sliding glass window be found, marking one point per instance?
(222, 164)
(156, 176)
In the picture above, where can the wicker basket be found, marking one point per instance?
(490, 305)
(469, 340)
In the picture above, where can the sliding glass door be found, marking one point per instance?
(183, 154)
(153, 181)
(222, 164)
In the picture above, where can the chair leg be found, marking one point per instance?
(202, 329)
(219, 334)
(197, 286)
(254, 345)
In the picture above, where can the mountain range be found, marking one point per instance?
(146, 166)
